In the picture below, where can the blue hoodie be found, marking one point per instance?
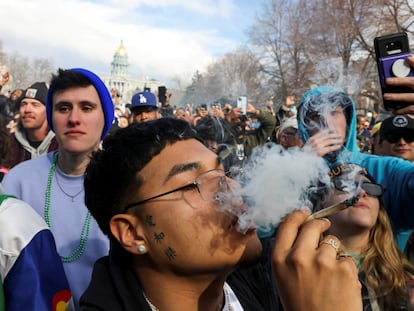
(397, 175)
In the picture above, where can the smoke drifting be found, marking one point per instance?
(276, 182)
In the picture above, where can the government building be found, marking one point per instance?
(123, 86)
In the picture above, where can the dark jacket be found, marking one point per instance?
(21, 149)
(260, 136)
(114, 286)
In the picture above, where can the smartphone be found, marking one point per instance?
(255, 125)
(391, 52)
(242, 103)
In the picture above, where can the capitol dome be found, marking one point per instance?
(121, 50)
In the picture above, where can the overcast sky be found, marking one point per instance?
(164, 38)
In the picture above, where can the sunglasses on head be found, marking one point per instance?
(394, 138)
(346, 185)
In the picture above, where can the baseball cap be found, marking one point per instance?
(289, 122)
(376, 128)
(398, 123)
(144, 99)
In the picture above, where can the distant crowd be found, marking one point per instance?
(121, 207)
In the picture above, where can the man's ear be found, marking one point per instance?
(127, 229)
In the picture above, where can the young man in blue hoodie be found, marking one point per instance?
(327, 125)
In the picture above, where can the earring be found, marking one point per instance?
(141, 249)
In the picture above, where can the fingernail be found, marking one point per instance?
(306, 210)
(325, 219)
(390, 80)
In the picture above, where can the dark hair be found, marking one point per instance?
(140, 109)
(112, 177)
(65, 79)
(79, 77)
(5, 145)
(211, 128)
(5, 108)
(215, 129)
(15, 105)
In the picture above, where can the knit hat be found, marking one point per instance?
(144, 99)
(37, 91)
(398, 123)
(104, 96)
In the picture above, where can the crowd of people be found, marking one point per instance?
(121, 208)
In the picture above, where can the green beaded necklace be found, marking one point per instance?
(78, 251)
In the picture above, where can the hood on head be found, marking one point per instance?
(322, 100)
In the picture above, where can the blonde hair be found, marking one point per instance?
(385, 267)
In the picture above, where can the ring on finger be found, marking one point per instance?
(332, 243)
(342, 254)
(345, 254)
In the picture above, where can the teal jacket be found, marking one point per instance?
(396, 174)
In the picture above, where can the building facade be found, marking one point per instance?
(122, 86)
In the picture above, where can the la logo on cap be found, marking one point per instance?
(142, 99)
(400, 121)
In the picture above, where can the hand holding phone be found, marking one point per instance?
(242, 103)
(408, 98)
(391, 52)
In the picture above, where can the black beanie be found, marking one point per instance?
(37, 91)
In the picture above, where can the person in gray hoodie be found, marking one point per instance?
(32, 137)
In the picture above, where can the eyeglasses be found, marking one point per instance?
(347, 185)
(211, 185)
(394, 138)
